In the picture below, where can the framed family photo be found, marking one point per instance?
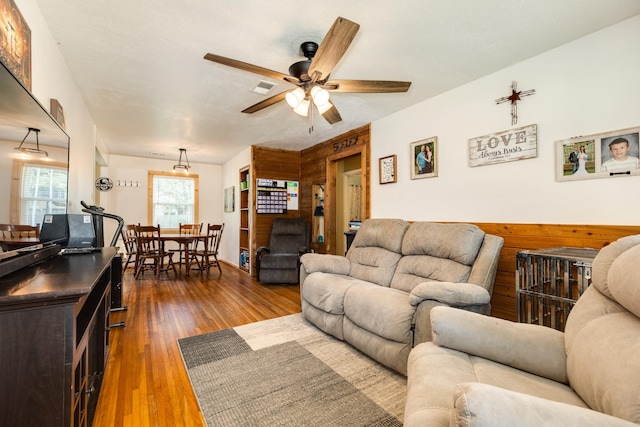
(424, 163)
(602, 155)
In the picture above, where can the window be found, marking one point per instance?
(173, 199)
(42, 190)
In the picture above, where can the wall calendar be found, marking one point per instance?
(276, 196)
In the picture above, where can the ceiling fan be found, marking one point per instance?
(312, 75)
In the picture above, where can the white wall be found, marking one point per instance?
(131, 202)
(51, 79)
(586, 87)
(230, 236)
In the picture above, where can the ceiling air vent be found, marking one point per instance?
(263, 87)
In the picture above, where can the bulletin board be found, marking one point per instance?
(275, 196)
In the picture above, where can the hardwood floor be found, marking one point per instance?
(145, 383)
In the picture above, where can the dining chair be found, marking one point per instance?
(189, 229)
(203, 257)
(150, 251)
(20, 230)
(128, 234)
(5, 231)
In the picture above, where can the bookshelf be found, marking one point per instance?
(245, 227)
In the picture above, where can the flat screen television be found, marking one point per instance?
(19, 111)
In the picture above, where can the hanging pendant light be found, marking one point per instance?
(28, 150)
(184, 166)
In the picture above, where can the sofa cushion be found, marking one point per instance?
(602, 262)
(437, 252)
(482, 405)
(457, 242)
(415, 269)
(381, 233)
(434, 373)
(375, 265)
(376, 250)
(326, 291)
(624, 279)
(601, 336)
(383, 311)
(280, 261)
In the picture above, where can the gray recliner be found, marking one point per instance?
(280, 261)
(482, 371)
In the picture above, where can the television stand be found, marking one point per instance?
(54, 330)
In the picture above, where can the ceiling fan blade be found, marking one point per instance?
(333, 46)
(366, 86)
(332, 115)
(265, 103)
(249, 67)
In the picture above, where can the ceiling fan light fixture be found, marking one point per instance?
(302, 108)
(182, 166)
(295, 97)
(324, 107)
(320, 96)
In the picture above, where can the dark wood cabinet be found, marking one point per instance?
(54, 339)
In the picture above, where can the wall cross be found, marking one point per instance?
(514, 98)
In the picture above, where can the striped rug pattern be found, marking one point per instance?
(286, 372)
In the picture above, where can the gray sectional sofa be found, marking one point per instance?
(379, 296)
(482, 371)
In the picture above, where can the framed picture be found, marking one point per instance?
(602, 155)
(57, 112)
(424, 158)
(15, 42)
(229, 199)
(506, 146)
(388, 167)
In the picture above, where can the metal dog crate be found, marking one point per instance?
(549, 282)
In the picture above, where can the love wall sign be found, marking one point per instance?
(507, 146)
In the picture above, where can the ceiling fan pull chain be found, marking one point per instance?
(310, 118)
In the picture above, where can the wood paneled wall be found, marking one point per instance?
(314, 171)
(519, 237)
(269, 163)
(309, 167)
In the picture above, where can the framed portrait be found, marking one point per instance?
(603, 155)
(229, 199)
(424, 158)
(15, 42)
(388, 173)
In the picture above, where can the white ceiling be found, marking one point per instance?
(140, 69)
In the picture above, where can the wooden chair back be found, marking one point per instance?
(5, 231)
(20, 230)
(128, 234)
(208, 256)
(150, 252)
(214, 235)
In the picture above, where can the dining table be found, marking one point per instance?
(183, 240)
(12, 243)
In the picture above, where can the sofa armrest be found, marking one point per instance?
(325, 263)
(482, 405)
(450, 293)
(531, 348)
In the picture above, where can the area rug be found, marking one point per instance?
(286, 372)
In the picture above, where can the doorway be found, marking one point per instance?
(349, 207)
